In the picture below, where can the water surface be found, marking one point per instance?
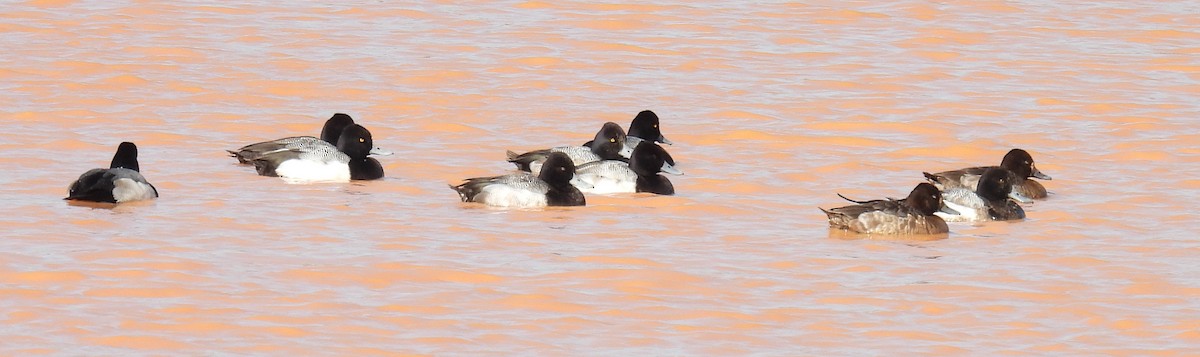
(773, 108)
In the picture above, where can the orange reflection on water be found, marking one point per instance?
(773, 108)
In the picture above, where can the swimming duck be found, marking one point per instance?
(325, 163)
(329, 136)
(989, 201)
(1018, 161)
(609, 144)
(640, 174)
(120, 182)
(551, 187)
(912, 215)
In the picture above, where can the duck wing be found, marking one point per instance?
(247, 154)
(606, 176)
(967, 178)
(267, 162)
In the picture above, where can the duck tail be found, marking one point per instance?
(464, 192)
(243, 158)
(828, 213)
(523, 161)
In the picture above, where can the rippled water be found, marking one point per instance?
(773, 108)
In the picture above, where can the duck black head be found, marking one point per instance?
(356, 142)
(126, 157)
(609, 141)
(558, 170)
(650, 159)
(334, 127)
(1021, 163)
(646, 126)
(995, 184)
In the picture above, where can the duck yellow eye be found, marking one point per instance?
(612, 140)
(654, 126)
(361, 140)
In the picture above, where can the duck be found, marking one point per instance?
(640, 174)
(329, 135)
(643, 127)
(908, 216)
(324, 163)
(121, 182)
(1017, 161)
(551, 187)
(608, 144)
(990, 200)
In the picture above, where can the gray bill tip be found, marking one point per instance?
(380, 151)
(663, 139)
(950, 211)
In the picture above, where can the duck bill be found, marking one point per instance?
(581, 184)
(1038, 174)
(667, 168)
(947, 210)
(663, 139)
(1019, 197)
(380, 152)
(626, 151)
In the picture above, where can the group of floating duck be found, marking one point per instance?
(984, 193)
(613, 162)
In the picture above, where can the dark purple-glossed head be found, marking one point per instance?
(334, 126)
